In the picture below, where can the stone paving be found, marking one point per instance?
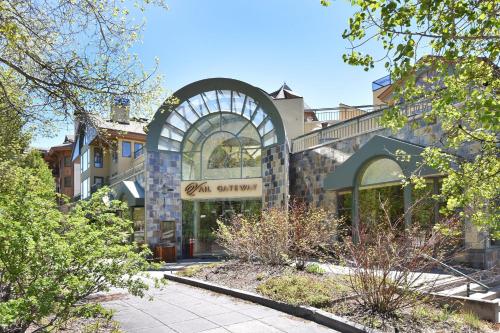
(185, 309)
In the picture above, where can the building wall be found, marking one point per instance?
(292, 115)
(163, 170)
(309, 168)
(275, 164)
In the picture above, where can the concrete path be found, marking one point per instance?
(184, 309)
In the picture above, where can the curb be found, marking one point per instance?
(313, 314)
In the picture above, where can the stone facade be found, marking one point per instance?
(275, 165)
(162, 194)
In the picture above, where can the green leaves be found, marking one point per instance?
(50, 261)
(446, 52)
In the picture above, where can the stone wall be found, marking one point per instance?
(163, 171)
(275, 165)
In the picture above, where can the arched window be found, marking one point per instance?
(381, 171)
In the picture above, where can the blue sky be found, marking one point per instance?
(262, 42)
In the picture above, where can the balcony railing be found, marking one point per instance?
(135, 170)
(340, 113)
(364, 123)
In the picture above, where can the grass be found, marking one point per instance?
(191, 271)
(459, 319)
(302, 290)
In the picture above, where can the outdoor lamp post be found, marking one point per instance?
(164, 190)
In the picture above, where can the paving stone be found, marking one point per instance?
(253, 326)
(229, 318)
(159, 329)
(193, 325)
(135, 319)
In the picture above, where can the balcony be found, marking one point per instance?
(365, 122)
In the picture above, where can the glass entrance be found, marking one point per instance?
(199, 221)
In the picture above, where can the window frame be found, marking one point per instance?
(70, 181)
(67, 158)
(129, 149)
(98, 152)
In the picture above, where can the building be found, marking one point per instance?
(230, 148)
(59, 160)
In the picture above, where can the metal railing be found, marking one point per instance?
(341, 113)
(367, 122)
(135, 170)
(456, 271)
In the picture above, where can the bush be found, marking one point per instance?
(315, 269)
(50, 261)
(302, 290)
(387, 262)
(278, 236)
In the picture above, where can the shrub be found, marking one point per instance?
(302, 290)
(50, 261)
(387, 262)
(277, 236)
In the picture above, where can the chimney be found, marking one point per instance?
(120, 110)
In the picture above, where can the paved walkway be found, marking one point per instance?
(184, 309)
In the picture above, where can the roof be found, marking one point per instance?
(133, 126)
(284, 92)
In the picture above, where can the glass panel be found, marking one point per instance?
(381, 171)
(211, 100)
(250, 106)
(198, 105)
(221, 157)
(224, 100)
(185, 111)
(258, 117)
(371, 214)
(171, 133)
(232, 122)
(178, 122)
(238, 100)
(266, 126)
(126, 149)
(269, 139)
(252, 161)
(167, 144)
(191, 165)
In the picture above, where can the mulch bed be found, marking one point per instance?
(248, 276)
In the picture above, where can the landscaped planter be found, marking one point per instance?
(317, 315)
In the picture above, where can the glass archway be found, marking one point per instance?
(224, 110)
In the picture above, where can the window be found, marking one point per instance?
(138, 149)
(114, 155)
(67, 161)
(126, 149)
(222, 146)
(99, 181)
(85, 189)
(98, 162)
(67, 181)
(85, 161)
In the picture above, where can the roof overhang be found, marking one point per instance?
(346, 175)
(131, 192)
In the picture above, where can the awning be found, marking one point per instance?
(131, 192)
(345, 175)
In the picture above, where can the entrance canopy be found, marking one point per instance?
(378, 158)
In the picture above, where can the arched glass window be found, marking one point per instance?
(220, 146)
(227, 111)
(381, 171)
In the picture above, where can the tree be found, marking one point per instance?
(50, 261)
(456, 42)
(71, 58)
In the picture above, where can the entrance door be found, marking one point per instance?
(200, 222)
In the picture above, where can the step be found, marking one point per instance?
(461, 290)
(485, 296)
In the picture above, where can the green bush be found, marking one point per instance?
(302, 290)
(315, 268)
(51, 261)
